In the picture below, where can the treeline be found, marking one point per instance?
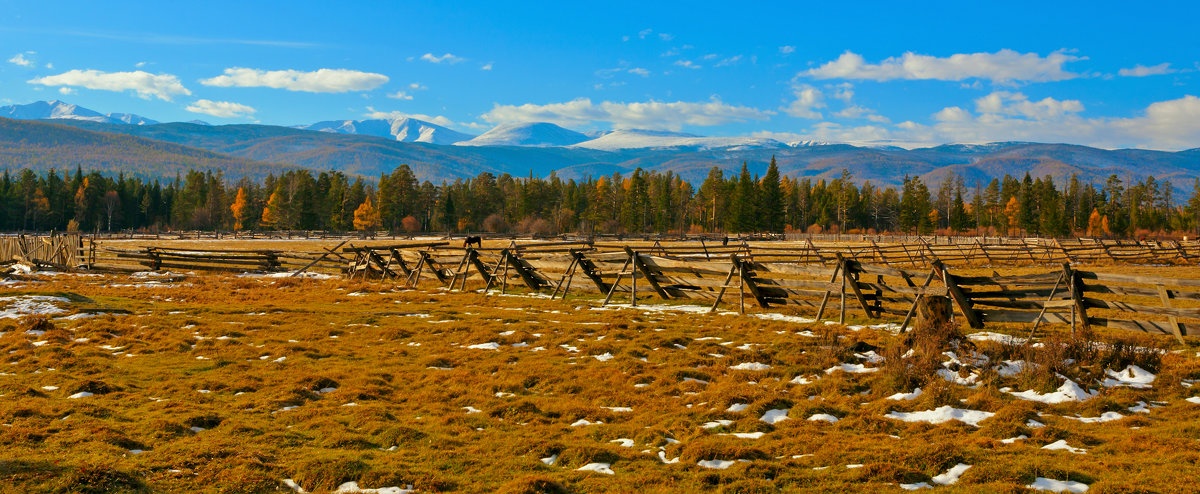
(638, 202)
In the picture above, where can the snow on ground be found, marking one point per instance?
(906, 396)
(737, 407)
(352, 487)
(951, 476)
(823, 416)
(1061, 444)
(851, 368)
(1194, 399)
(990, 336)
(775, 416)
(605, 468)
(1009, 368)
(943, 414)
(716, 464)
(1133, 377)
(751, 366)
(1104, 417)
(1068, 392)
(745, 435)
(28, 305)
(1045, 484)
(491, 345)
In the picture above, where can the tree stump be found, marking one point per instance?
(933, 313)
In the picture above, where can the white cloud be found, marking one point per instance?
(486, 66)
(808, 99)
(787, 49)
(728, 61)
(687, 64)
(220, 109)
(1172, 124)
(400, 95)
(643, 33)
(319, 81)
(448, 58)
(19, 59)
(145, 84)
(66, 90)
(639, 71)
(650, 114)
(952, 114)
(139, 64)
(1140, 70)
(416, 86)
(397, 115)
(858, 112)
(1003, 66)
(666, 37)
(1007, 103)
(844, 92)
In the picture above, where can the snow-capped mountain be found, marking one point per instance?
(401, 129)
(43, 110)
(539, 134)
(641, 139)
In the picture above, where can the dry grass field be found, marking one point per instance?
(206, 383)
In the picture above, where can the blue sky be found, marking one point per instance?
(1095, 73)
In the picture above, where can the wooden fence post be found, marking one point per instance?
(960, 298)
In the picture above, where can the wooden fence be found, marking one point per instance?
(1063, 295)
(55, 251)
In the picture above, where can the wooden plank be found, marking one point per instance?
(1176, 328)
(646, 273)
(956, 293)
(1143, 326)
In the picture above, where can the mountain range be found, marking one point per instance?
(370, 147)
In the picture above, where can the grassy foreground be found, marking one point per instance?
(228, 384)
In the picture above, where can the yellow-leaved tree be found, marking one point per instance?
(1013, 211)
(366, 217)
(271, 213)
(239, 209)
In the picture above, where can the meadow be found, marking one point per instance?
(222, 383)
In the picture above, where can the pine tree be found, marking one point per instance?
(771, 199)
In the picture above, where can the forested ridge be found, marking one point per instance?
(637, 202)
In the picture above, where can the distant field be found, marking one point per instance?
(232, 384)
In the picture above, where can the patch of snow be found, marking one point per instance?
(953, 377)
(751, 366)
(1033, 424)
(906, 396)
(951, 476)
(551, 460)
(1014, 439)
(624, 443)
(619, 409)
(1194, 399)
(605, 468)
(737, 407)
(1009, 368)
(918, 485)
(352, 487)
(745, 435)
(851, 368)
(1045, 484)
(1068, 392)
(943, 414)
(81, 394)
(1104, 417)
(716, 423)
(585, 422)
(802, 380)
(471, 410)
(491, 345)
(605, 357)
(716, 464)
(1061, 444)
(1133, 377)
(27, 305)
(997, 337)
(823, 416)
(774, 416)
(663, 457)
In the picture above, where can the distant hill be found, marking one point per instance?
(41, 146)
(371, 147)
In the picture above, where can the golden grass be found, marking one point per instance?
(231, 384)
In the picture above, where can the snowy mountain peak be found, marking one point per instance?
(400, 129)
(44, 110)
(536, 134)
(659, 139)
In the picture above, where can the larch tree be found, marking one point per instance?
(366, 217)
(238, 208)
(271, 213)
